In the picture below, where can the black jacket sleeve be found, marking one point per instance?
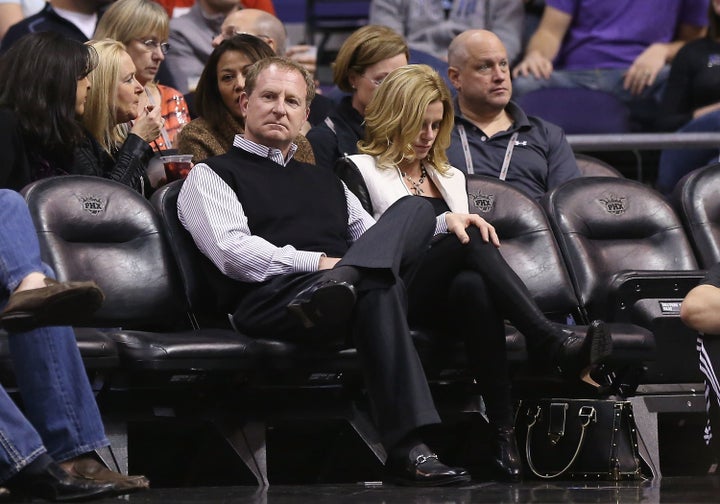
(127, 167)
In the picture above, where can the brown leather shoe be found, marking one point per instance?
(58, 303)
(88, 468)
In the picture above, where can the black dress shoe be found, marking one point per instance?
(578, 356)
(421, 467)
(54, 484)
(324, 303)
(506, 458)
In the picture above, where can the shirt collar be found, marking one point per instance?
(271, 153)
(518, 116)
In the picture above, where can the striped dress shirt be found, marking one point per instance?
(209, 209)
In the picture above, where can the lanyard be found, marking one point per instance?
(468, 156)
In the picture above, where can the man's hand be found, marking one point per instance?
(534, 64)
(327, 262)
(306, 55)
(645, 68)
(457, 223)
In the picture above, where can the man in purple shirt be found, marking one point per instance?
(622, 47)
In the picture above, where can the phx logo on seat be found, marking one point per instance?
(483, 202)
(616, 205)
(92, 204)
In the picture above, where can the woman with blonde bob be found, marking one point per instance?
(464, 286)
(117, 149)
(143, 26)
(363, 61)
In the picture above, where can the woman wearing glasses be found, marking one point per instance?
(143, 26)
(363, 61)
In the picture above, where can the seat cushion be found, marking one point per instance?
(204, 349)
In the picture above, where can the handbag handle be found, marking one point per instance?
(587, 412)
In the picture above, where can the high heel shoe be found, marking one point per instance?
(505, 458)
(578, 356)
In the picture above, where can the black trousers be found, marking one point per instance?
(467, 291)
(454, 300)
(387, 256)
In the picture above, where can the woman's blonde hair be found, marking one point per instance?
(394, 117)
(99, 116)
(363, 48)
(127, 20)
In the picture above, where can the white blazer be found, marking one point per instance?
(386, 186)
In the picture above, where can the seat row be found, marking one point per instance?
(158, 345)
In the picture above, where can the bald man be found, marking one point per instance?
(255, 22)
(492, 135)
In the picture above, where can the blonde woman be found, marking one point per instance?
(143, 26)
(114, 149)
(463, 286)
(363, 61)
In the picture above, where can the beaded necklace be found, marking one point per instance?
(416, 185)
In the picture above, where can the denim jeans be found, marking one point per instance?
(643, 108)
(609, 80)
(61, 415)
(674, 164)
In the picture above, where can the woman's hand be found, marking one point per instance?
(645, 68)
(148, 124)
(457, 223)
(327, 262)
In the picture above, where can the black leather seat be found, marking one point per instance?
(195, 272)
(590, 166)
(94, 228)
(629, 260)
(696, 199)
(528, 245)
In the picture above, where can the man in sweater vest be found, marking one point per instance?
(306, 259)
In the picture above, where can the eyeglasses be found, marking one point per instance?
(376, 82)
(152, 45)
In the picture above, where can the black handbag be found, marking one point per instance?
(579, 438)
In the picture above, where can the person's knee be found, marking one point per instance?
(480, 243)
(421, 209)
(11, 199)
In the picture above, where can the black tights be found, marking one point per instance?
(469, 290)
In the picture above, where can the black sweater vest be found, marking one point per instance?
(298, 204)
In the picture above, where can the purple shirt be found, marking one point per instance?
(612, 33)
